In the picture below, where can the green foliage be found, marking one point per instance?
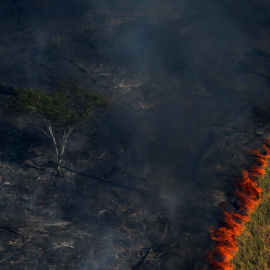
(67, 105)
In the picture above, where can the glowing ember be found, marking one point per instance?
(249, 195)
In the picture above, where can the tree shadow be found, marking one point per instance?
(100, 180)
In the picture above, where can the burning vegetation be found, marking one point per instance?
(249, 196)
(139, 188)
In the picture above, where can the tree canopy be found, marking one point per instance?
(67, 105)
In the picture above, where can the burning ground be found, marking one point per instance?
(143, 185)
(248, 193)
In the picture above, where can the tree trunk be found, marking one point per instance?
(59, 149)
(60, 158)
(59, 167)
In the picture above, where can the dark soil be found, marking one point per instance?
(140, 187)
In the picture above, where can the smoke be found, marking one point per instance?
(183, 77)
(34, 197)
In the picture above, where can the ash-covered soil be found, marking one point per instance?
(189, 83)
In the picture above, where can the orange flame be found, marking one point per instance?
(249, 196)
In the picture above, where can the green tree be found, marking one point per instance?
(60, 110)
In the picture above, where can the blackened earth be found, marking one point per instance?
(140, 187)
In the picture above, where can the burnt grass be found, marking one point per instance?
(140, 187)
(93, 216)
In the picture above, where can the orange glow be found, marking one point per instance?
(249, 195)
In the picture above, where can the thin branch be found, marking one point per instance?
(44, 130)
(50, 128)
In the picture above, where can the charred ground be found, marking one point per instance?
(141, 186)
